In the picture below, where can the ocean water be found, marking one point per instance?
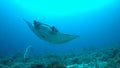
(96, 22)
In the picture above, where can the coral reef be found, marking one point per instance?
(102, 58)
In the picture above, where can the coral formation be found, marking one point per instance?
(102, 58)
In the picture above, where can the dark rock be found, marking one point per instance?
(37, 66)
(55, 64)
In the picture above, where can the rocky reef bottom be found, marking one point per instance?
(92, 58)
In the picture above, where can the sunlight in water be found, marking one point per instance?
(61, 7)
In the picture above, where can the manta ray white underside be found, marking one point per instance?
(45, 32)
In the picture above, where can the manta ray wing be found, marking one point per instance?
(60, 38)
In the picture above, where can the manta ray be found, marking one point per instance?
(49, 33)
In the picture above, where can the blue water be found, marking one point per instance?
(97, 27)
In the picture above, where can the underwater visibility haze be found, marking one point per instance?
(81, 25)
